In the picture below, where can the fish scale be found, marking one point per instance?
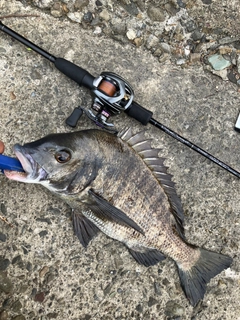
(120, 186)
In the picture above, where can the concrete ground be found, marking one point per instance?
(44, 271)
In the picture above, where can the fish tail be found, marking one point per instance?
(194, 280)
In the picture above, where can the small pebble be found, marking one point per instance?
(152, 302)
(165, 47)
(43, 271)
(155, 13)
(104, 15)
(152, 42)
(98, 3)
(232, 76)
(5, 283)
(88, 16)
(238, 64)
(4, 263)
(4, 315)
(56, 10)
(3, 208)
(3, 237)
(138, 42)
(190, 26)
(206, 1)
(16, 259)
(97, 30)
(195, 57)
(80, 4)
(221, 73)
(218, 62)
(75, 16)
(39, 297)
(139, 308)
(180, 62)
(173, 309)
(131, 34)
(16, 306)
(19, 317)
(43, 233)
(196, 35)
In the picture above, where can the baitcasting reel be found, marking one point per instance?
(112, 94)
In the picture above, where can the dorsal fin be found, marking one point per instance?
(150, 156)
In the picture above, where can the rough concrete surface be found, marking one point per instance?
(44, 271)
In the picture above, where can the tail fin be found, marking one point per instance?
(194, 280)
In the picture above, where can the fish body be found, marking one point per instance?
(119, 185)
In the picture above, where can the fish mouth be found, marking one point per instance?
(33, 172)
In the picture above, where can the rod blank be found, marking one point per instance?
(194, 147)
(27, 43)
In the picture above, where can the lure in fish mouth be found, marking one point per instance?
(33, 172)
(120, 186)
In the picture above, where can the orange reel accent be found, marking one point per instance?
(107, 87)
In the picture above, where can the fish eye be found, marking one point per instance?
(63, 156)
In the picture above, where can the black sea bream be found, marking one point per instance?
(119, 185)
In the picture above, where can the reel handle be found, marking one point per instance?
(74, 117)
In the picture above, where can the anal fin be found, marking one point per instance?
(147, 257)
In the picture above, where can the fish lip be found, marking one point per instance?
(25, 159)
(33, 172)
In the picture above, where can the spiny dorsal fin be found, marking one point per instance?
(150, 156)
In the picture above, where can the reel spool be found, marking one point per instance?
(108, 87)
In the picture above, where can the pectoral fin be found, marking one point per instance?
(105, 211)
(84, 229)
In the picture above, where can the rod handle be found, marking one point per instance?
(74, 72)
(139, 113)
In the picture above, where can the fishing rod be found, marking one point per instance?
(111, 96)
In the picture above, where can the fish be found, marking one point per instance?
(119, 185)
